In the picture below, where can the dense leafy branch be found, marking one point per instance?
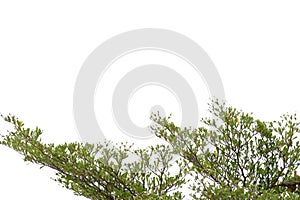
(233, 155)
(100, 171)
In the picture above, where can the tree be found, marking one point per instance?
(231, 155)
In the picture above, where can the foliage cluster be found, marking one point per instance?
(231, 155)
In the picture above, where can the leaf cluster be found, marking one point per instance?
(100, 171)
(235, 156)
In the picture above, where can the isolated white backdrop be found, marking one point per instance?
(254, 45)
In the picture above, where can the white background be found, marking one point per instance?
(255, 46)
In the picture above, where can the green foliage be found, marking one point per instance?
(231, 155)
(100, 171)
(235, 156)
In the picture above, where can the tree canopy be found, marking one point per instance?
(231, 155)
